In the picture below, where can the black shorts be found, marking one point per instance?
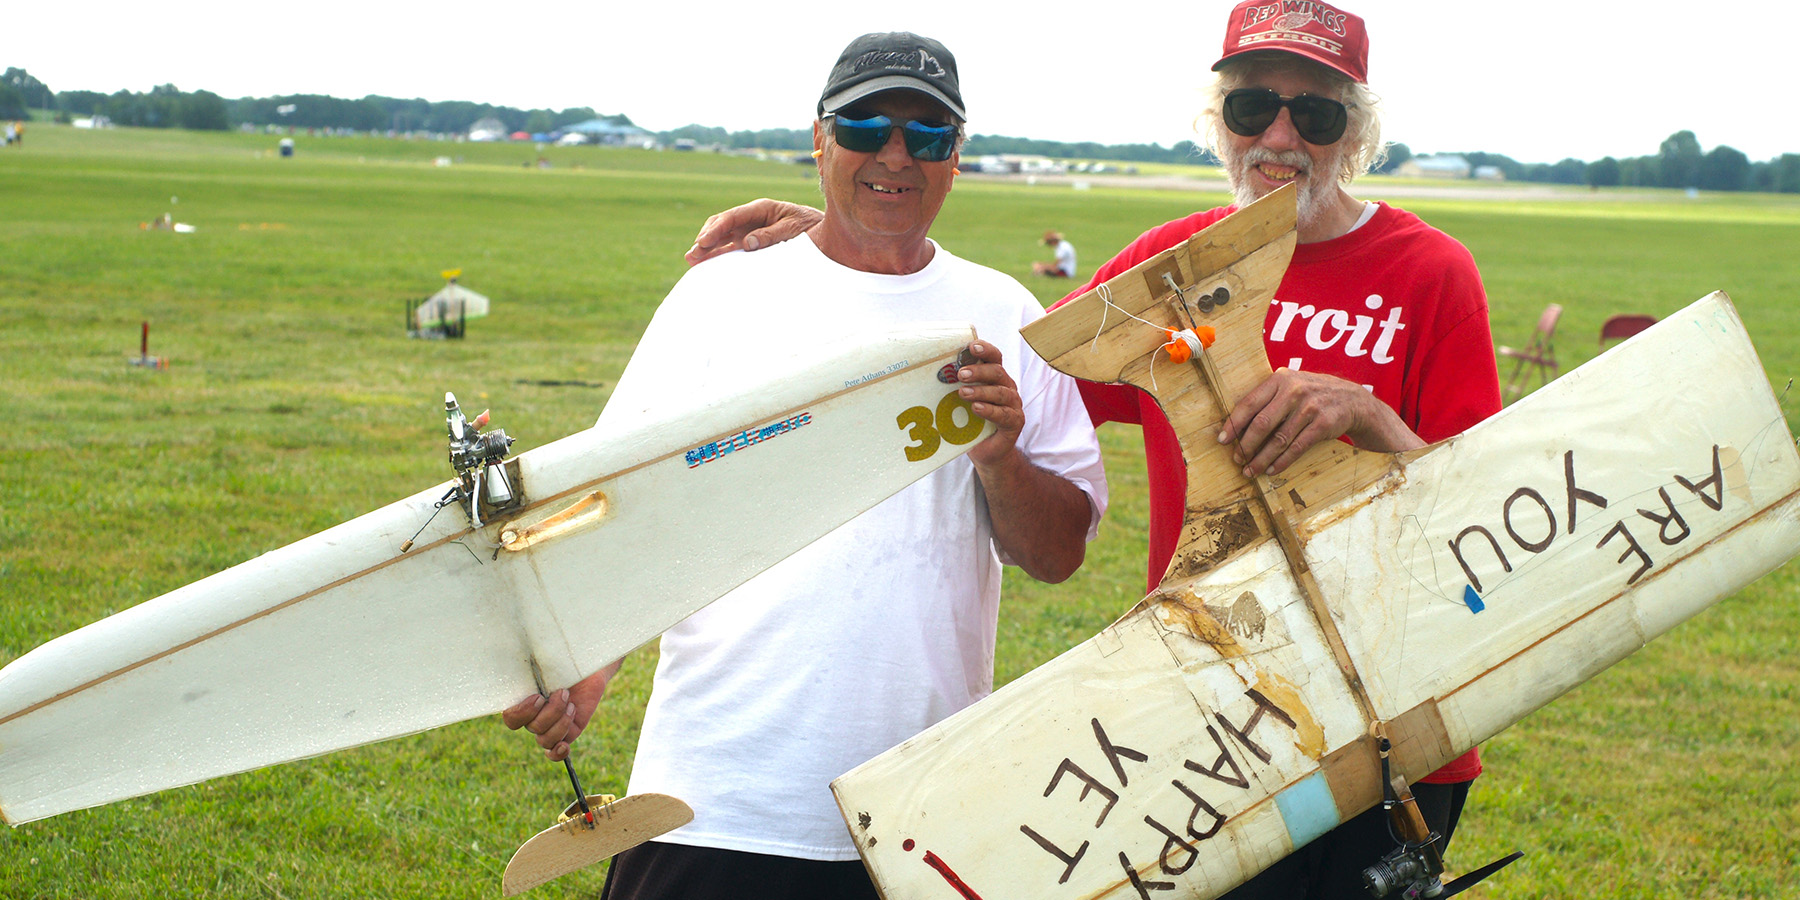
(1330, 867)
(659, 871)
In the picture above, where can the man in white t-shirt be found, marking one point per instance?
(1063, 266)
(886, 625)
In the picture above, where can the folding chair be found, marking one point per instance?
(1539, 355)
(1623, 326)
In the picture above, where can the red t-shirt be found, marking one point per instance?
(1396, 306)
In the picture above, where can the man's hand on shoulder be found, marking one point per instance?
(1291, 411)
(752, 226)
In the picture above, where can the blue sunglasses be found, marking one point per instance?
(928, 140)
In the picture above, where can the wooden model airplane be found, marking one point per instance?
(554, 563)
(1426, 599)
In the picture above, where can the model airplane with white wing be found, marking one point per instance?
(527, 573)
(1359, 618)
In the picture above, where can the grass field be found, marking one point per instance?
(294, 400)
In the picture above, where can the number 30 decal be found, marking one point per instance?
(930, 429)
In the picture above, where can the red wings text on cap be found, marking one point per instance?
(1317, 31)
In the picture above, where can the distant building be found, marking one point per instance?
(1446, 165)
(1489, 173)
(612, 134)
(1018, 164)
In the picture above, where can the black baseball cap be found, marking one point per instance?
(889, 61)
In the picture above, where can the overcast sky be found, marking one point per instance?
(1535, 80)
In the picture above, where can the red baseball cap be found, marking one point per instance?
(1318, 31)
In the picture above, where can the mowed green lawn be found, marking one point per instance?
(294, 400)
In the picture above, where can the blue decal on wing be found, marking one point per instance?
(1307, 809)
(1473, 599)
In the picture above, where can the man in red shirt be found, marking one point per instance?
(1379, 330)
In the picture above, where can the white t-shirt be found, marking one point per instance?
(876, 631)
(1065, 258)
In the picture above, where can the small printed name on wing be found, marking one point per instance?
(874, 375)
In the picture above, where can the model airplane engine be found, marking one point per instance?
(479, 459)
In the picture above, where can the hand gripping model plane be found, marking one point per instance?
(299, 651)
(1361, 616)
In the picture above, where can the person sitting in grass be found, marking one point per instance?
(1063, 266)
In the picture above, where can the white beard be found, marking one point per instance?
(1317, 192)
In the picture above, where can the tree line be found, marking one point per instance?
(1678, 163)
(166, 106)
(1184, 152)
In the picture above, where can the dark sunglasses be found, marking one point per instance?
(1318, 120)
(929, 140)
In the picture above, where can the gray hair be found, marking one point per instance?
(1362, 145)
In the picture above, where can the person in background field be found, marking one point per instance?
(886, 625)
(1379, 330)
(1063, 266)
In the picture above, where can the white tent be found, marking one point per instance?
(451, 304)
(488, 129)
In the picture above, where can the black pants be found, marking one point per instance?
(658, 871)
(1331, 867)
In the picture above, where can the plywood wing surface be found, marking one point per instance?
(341, 638)
(1225, 720)
(575, 843)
